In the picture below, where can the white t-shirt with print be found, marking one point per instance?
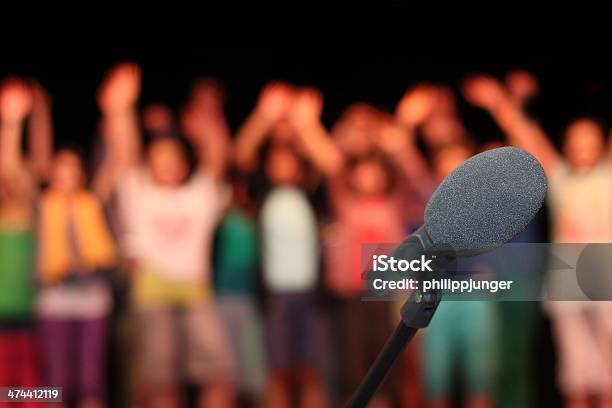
(170, 229)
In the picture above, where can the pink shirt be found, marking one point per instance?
(359, 220)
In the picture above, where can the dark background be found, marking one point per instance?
(572, 84)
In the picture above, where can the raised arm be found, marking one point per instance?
(398, 133)
(117, 98)
(416, 105)
(398, 142)
(305, 117)
(15, 103)
(273, 105)
(40, 132)
(205, 125)
(488, 93)
(522, 86)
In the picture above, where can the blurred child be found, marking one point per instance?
(237, 263)
(433, 109)
(365, 177)
(169, 214)
(517, 321)
(462, 333)
(580, 199)
(237, 259)
(18, 187)
(75, 249)
(470, 345)
(290, 251)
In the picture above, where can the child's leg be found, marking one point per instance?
(56, 335)
(209, 357)
(438, 355)
(313, 390)
(279, 351)
(348, 336)
(28, 371)
(578, 355)
(603, 328)
(306, 338)
(277, 390)
(376, 325)
(253, 350)
(156, 349)
(516, 379)
(244, 325)
(93, 337)
(7, 358)
(478, 351)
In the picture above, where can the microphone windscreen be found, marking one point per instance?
(486, 201)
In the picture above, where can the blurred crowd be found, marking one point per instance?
(179, 262)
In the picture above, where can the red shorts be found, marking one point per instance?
(18, 360)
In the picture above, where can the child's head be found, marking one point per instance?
(241, 194)
(370, 175)
(441, 129)
(284, 166)
(282, 132)
(168, 162)
(157, 119)
(584, 143)
(448, 158)
(208, 93)
(356, 128)
(67, 173)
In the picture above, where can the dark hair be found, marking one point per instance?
(598, 122)
(378, 158)
(185, 147)
(72, 148)
(79, 153)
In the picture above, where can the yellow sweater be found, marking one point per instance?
(96, 249)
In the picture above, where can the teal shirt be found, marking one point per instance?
(236, 254)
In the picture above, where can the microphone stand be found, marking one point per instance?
(416, 313)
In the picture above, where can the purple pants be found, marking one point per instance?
(74, 355)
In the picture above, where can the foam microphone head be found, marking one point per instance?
(486, 201)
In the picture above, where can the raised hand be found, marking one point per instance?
(307, 107)
(392, 138)
(15, 100)
(416, 104)
(522, 85)
(117, 97)
(40, 131)
(483, 91)
(40, 97)
(275, 101)
(120, 89)
(208, 94)
(192, 123)
(157, 119)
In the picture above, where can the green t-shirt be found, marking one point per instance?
(236, 254)
(16, 274)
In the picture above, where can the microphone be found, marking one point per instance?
(479, 206)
